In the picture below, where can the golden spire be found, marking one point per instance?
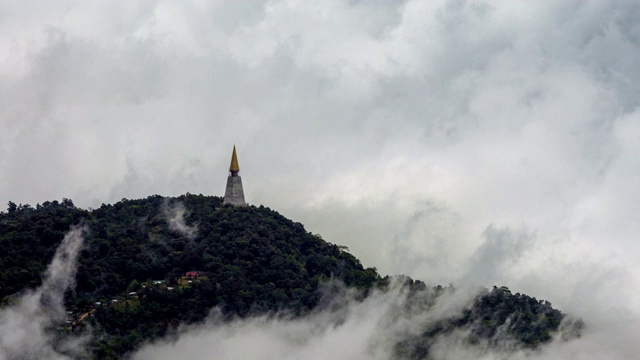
(234, 167)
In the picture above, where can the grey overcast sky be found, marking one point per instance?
(472, 142)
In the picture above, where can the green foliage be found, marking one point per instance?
(256, 261)
(131, 286)
(496, 317)
(28, 239)
(526, 319)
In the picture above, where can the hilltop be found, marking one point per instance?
(150, 265)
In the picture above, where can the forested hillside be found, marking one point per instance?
(151, 264)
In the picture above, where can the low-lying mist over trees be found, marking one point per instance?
(145, 276)
(475, 142)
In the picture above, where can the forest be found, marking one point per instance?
(149, 265)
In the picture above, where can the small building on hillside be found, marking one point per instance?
(193, 274)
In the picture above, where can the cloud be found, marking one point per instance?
(403, 130)
(345, 328)
(174, 213)
(25, 327)
(501, 251)
(342, 328)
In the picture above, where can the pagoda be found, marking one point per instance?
(234, 195)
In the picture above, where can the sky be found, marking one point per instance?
(465, 142)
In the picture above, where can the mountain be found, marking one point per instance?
(149, 265)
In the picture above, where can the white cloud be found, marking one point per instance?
(342, 328)
(371, 329)
(174, 213)
(25, 327)
(403, 130)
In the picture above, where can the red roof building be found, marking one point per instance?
(193, 274)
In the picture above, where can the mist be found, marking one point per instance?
(375, 328)
(344, 325)
(174, 214)
(476, 142)
(25, 327)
